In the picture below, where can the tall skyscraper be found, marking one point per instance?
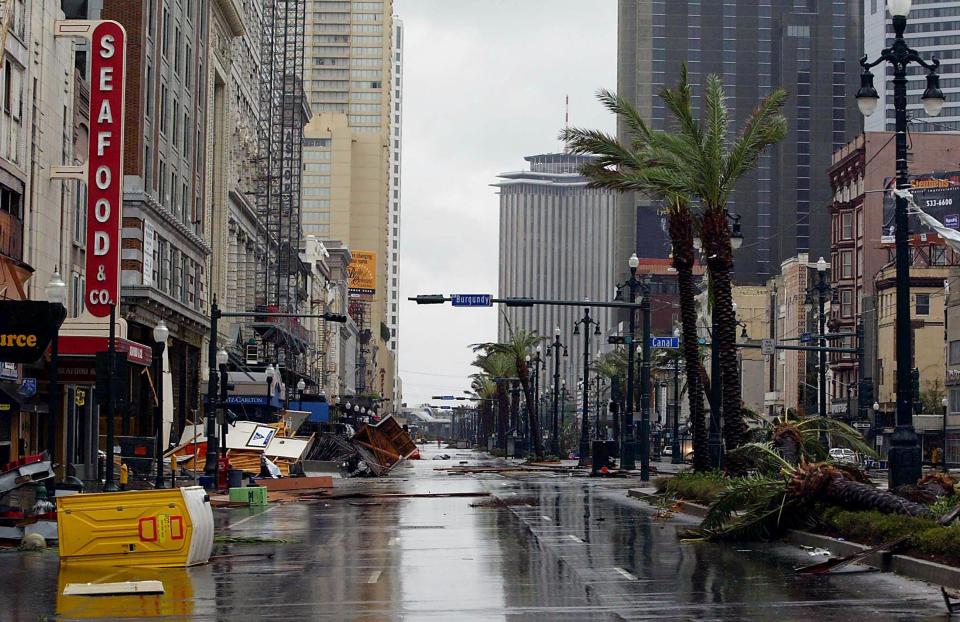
(933, 29)
(808, 47)
(351, 187)
(556, 241)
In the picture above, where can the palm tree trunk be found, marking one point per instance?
(716, 237)
(681, 235)
(533, 424)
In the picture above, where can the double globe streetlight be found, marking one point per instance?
(904, 454)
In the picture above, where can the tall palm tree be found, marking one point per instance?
(498, 367)
(519, 344)
(624, 167)
(693, 160)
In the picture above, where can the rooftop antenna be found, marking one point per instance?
(566, 119)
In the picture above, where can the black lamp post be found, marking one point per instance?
(56, 291)
(596, 399)
(222, 359)
(564, 396)
(676, 450)
(270, 373)
(946, 468)
(160, 335)
(586, 321)
(822, 289)
(904, 453)
(629, 441)
(554, 350)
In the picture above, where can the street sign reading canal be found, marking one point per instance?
(665, 342)
(767, 347)
(471, 300)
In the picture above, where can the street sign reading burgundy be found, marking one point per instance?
(938, 194)
(105, 166)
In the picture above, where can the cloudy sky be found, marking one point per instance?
(484, 85)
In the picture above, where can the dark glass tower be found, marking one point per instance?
(808, 47)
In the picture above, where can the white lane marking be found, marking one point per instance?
(575, 538)
(631, 577)
(545, 517)
(335, 539)
(242, 521)
(392, 541)
(374, 576)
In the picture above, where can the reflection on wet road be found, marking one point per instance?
(556, 549)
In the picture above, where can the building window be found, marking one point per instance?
(165, 37)
(846, 226)
(846, 265)
(955, 352)
(846, 302)
(954, 401)
(923, 304)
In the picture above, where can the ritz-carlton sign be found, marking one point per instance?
(103, 171)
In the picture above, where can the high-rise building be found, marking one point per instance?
(808, 47)
(556, 242)
(351, 184)
(933, 29)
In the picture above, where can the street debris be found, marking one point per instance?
(383, 445)
(249, 540)
(405, 495)
(836, 563)
(951, 599)
(24, 506)
(113, 589)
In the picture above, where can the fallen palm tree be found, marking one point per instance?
(761, 505)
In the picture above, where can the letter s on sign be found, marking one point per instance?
(107, 48)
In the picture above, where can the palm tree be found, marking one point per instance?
(693, 159)
(613, 367)
(498, 367)
(484, 391)
(516, 349)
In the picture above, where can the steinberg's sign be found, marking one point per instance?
(103, 171)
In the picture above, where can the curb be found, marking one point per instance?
(903, 565)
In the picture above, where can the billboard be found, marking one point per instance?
(938, 194)
(363, 273)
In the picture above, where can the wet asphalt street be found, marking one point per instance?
(556, 549)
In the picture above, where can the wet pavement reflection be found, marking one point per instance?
(557, 548)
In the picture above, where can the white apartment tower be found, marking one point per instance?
(396, 141)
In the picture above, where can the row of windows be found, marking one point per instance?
(374, 84)
(366, 51)
(367, 40)
(331, 38)
(316, 229)
(316, 167)
(316, 204)
(329, 107)
(365, 62)
(316, 218)
(316, 192)
(368, 28)
(367, 96)
(365, 108)
(176, 274)
(368, 6)
(368, 17)
(365, 118)
(316, 179)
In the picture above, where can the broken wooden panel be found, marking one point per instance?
(383, 445)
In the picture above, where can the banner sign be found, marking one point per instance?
(26, 328)
(363, 273)
(937, 194)
(105, 167)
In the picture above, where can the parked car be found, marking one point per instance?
(844, 455)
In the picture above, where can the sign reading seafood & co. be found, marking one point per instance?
(103, 171)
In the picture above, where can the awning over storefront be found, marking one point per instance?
(88, 345)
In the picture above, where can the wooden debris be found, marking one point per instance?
(113, 589)
(951, 599)
(405, 495)
(296, 483)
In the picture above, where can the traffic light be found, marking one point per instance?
(335, 317)
(616, 340)
(429, 299)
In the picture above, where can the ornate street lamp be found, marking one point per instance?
(904, 454)
(56, 291)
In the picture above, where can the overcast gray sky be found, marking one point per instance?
(484, 85)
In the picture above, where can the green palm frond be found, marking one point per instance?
(763, 455)
(717, 125)
(840, 433)
(765, 127)
(750, 508)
